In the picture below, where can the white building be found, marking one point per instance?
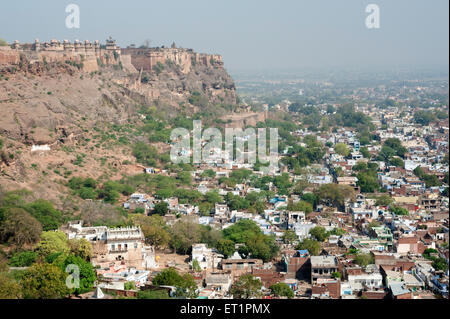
(358, 282)
(207, 258)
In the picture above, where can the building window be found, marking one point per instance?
(135, 245)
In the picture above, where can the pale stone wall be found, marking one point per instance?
(9, 56)
(146, 59)
(132, 59)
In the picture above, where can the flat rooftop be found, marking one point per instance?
(324, 261)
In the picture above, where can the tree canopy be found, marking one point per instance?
(334, 194)
(246, 287)
(44, 281)
(185, 284)
(313, 246)
(281, 289)
(19, 227)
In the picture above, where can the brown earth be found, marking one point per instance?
(57, 105)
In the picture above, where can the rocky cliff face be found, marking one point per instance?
(46, 96)
(63, 112)
(201, 88)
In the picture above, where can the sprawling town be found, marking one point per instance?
(357, 207)
(367, 218)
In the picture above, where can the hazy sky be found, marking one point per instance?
(251, 34)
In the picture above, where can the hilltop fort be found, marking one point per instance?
(92, 55)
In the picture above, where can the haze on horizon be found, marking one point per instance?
(252, 34)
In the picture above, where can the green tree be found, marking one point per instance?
(424, 117)
(300, 186)
(139, 210)
(256, 243)
(129, 285)
(196, 266)
(300, 206)
(289, 236)
(440, 264)
(213, 197)
(427, 253)
(337, 231)
(19, 227)
(80, 247)
(342, 149)
(383, 200)
(246, 287)
(386, 153)
(336, 275)
(23, 259)
(431, 180)
(396, 145)
(154, 229)
(310, 198)
(319, 233)
(262, 246)
(334, 194)
(397, 161)
(185, 177)
(87, 274)
(364, 259)
(87, 193)
(225, 247)
(9, 288)
(240, 175)
(418, 172)
(145, 154)
(208, 173)
(360, 166)
(161, 208)
(365, 152)
(44, 281)
(164, 192)
(167, 277)
(368, 181)
(313, 246)
(153, 294)
(205, 208)
(187, 196)
(282, 290)
(185, 285)
(53, 242)
(209, 235)
(45, 213)
(241, 231)
(399, 210)
(184, 234)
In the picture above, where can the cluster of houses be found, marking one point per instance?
(396, 242)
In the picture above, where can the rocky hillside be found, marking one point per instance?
(61, 121)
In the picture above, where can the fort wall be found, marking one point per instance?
(90, 55)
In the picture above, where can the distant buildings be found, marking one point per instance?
(113, 245)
